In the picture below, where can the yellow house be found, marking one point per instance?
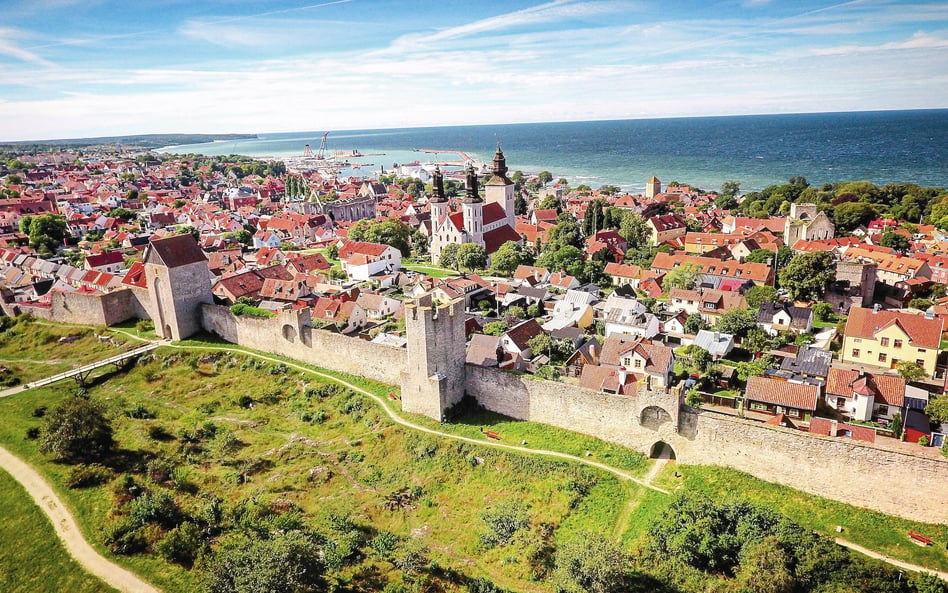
(884, 338)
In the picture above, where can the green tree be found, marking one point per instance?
(850, 215)
(764, 567)
(684, 277)
(759, 295)
(894, 240)
(502, 522)
(634, 229)
(807, 274)
(590, 563)
(565, 233)
(730, 188)
(545, 177)
(694, 324)
(823, 312)
(594, 219)
(507, 258)
(243, 237)
(472, 256)
(701, 358)
(78, 429)
(937, 409)
(390, 231)
(736, 322)
(419, 243)
(567, 258)
(449, 256)
(46, 232)
(761, 256)
(495, 328)
(283, 563)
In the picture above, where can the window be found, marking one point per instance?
(882, 357)
(855, 352)
(884, 341)
(638, 363)
(857, 340)
(793, 413)
(883, 410)
(758, 406)
(920, 363)
(921, 351)
(897, 343)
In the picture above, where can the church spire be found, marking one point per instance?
(500, 163)
(473, 195)
(438, 183)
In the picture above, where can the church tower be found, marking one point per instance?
(499, 189)
(439, 213)
(472, 207)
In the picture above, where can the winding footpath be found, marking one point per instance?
(127, 582)
(67, 529)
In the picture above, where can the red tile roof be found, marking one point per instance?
(922, 332)
(782, 393)
(176, 251)
(887, 389)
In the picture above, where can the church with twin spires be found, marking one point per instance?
(488, 221)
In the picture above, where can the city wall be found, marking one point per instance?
(892, 482)
(85, 308)
(290, 334)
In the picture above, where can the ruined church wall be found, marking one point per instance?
(287, 336)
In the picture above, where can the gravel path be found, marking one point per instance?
(899, 563)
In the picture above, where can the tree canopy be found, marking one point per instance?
(684, 276)
(807, 274)
(508, 257)
(283, 563)
(78, 429)
(390, 231)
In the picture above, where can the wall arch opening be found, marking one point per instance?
(654, 416)
(661, 449)
(289, 333)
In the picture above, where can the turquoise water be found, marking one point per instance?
(760, 150)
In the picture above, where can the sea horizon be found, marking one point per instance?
(895, 146)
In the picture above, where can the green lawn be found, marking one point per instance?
(430, 270)
(26, 536)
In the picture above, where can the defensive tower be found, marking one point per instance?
(434, 378)
(178, 283)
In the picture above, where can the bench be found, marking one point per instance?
(918, 537)
(392, 395)
(492, 435)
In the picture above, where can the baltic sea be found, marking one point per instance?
(758, 150)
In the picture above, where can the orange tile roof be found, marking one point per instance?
(782, 393)
(865, 323)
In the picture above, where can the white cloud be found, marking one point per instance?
(10, 47)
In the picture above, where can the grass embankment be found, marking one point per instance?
(337, 454)
(882, 533)
(32, 560)
(31, 350)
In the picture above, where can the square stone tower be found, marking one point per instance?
(178, 283)
(434, 378)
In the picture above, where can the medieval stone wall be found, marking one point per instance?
(89, 309)
(289, 334)
(860, 474)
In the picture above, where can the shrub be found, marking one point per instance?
(183, 544)
(145, 325)
(83, 476)
(32, 433)
(122, 537)
(384, 544)
(39, 412)
(244, 309)
(503, 521)
(139, 412)
(77, 429)
(923, 441)
(159, 508)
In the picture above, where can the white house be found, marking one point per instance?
(362, 260)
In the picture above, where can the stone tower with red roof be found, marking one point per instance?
(178, 282)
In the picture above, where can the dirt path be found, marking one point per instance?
(899, 563)
(659, 464)
(67, 529)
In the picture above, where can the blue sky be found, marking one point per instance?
(71, 68)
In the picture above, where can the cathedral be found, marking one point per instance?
(488, 221)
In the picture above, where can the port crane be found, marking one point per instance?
(321, 154)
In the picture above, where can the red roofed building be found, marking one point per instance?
(665, 228)
(865, 396)
(883, 338)
(361, 260)
(771, 396)
(488, 222)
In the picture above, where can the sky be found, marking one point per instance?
(82, 68)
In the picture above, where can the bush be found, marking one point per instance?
(923, 441)
(384, 544)
(122, 537)
(244, 309)
(183, 544)
(39, 412)
(139, 412)
(159, 508)
(83, 476)
(32, 433)
(145, 325)
(503, 521)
